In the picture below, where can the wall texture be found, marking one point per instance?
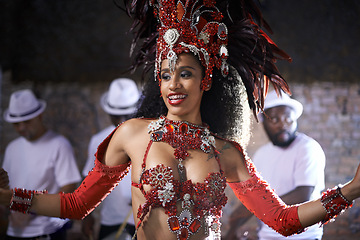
(332, 117)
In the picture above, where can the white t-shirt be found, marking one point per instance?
(300, 164)
(45, 164)
(116, 206)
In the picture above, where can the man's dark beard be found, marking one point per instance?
(283, 144)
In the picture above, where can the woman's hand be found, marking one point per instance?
(351, 190)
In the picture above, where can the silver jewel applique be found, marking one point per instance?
(167, 194)
(171, 36)
(196, 51)
(213, 225)
(172, 57)
(186, 203)
(215, 228)
(204, 36)
(206, 55)
(224, 50)
(224, 65)
(192, 48)
(195, 18)
(156, 125)
(207, 141)
(222, 31)
(224, 68)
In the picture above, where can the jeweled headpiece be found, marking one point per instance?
(221, 33)
(191, 26)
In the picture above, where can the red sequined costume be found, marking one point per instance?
(201, 203)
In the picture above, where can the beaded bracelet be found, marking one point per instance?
(334, 203)
(21, 199)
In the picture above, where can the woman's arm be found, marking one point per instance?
(323, 210)
(260, 199)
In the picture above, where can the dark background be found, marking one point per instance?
(86, 40)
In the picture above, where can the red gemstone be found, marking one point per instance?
(169, 128)
(183, 128)
(198, 132)
(185, 221)
(174, 223)
(195, 225)
(184, 234)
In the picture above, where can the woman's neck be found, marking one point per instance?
(195, 119)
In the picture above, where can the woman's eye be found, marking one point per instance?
(165, 76)
(186, 74)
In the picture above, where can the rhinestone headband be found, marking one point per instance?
(192, 26)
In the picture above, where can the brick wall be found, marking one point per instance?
(332, 117)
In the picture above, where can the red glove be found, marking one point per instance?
(95, 187)
(262, 201)
(100, 181)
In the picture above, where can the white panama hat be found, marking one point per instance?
(23, 106)
(273, 100)
(121, 98)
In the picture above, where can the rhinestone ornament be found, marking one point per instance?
(198, 201)
(191, 26)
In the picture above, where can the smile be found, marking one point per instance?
(176, 99)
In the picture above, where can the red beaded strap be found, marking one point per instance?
(21, 199)
(334, 203)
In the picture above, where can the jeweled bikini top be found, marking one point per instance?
(201, 203)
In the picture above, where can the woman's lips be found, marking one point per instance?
(176, 99)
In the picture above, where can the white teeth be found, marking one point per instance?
(174, 97)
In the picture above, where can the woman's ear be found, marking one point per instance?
(207, 87)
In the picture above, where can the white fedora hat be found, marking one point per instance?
(23, 106)
(273, 100)
(121, 98)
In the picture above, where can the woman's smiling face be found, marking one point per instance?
(180, 89)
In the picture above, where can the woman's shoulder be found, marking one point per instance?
(134, 125)
(126, 139)
(224, 143)
(234, 160)
(138, 122)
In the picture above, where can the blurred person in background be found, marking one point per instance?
(38, 159)
(119, 102)
(293, 163)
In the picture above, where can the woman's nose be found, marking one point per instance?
(174, 83)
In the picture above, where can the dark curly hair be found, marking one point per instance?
(252, 57)
(224, 107)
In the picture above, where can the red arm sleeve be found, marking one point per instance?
(100, 181)
(95, 187)
(262, 201)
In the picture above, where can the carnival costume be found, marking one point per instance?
(223, 35)
(201, 203)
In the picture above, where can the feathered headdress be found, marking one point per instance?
(219, 32)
